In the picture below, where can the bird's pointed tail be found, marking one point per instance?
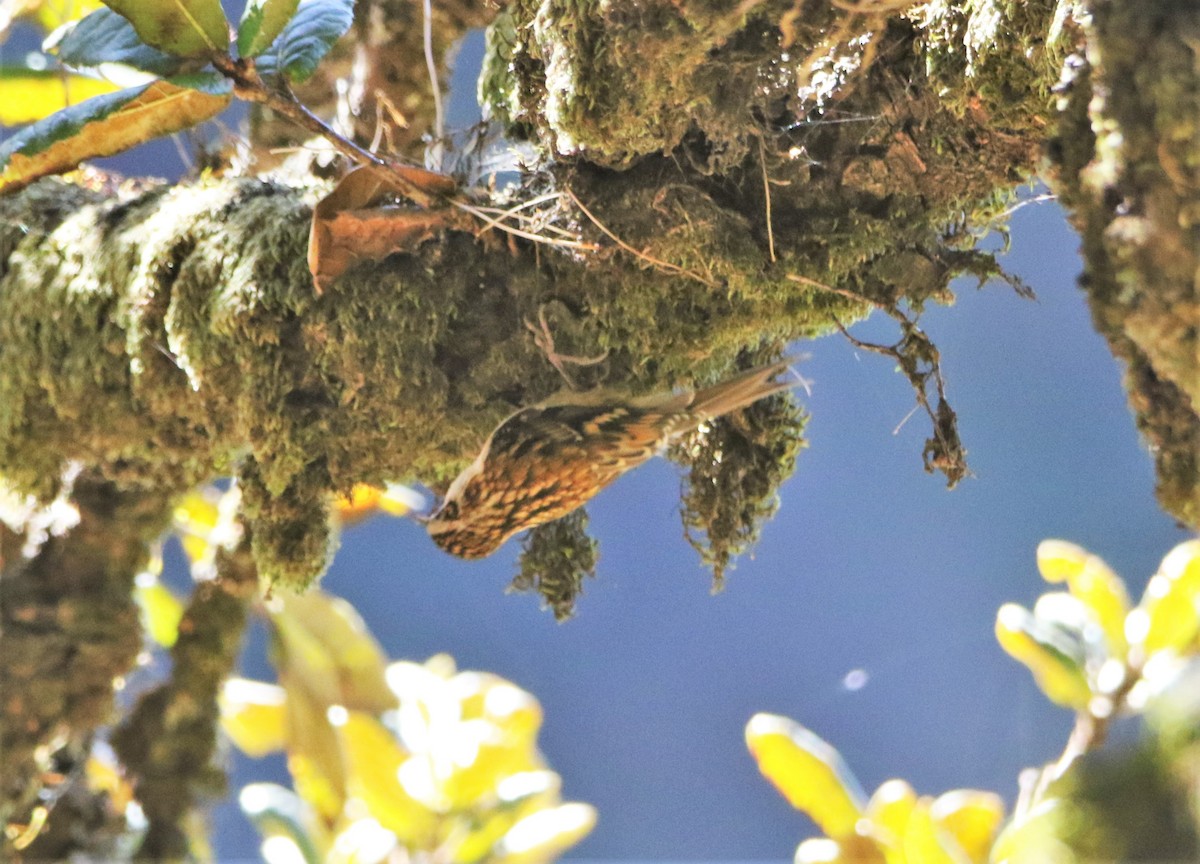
(745, 388)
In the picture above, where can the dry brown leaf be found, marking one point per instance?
(356, 221)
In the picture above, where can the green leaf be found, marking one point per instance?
(262, 21)
(109, 124)
(31, 95)
(106, 37)
(185, 28)
(1032, 838)
(307, 38)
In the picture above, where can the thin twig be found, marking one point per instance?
(665, 265)
(439, 123)
(843, 292)
(919, 360)
(1036, 199)
(762, 161)
(515, 212)
(249, 86)
(489, 222)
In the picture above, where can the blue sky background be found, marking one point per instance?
(871, 567)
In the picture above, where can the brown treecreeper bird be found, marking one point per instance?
(545, 460)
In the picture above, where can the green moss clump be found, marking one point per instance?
(555, 559)
(736, 465)
(616, 82)
(996, 58)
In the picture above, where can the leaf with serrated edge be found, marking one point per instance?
(106, 37)
(106, 125)
(262, 21)
(31, 95)
(185, 28)
(307, 38)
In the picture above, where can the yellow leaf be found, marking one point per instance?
(361, 502)
(325, 634)
(400, 500)
(972, 818)
(494, 759)
(888, 812)
(314, 753)
(924, 842)
(517, 796)
(161, 611)
(107, 124)
(203, 521)
(544, 835)
(807, 771)
(1054, 663)
(364, 500)
(848, 850)
(1093, 582)
(373, 760)
(199, 511)
(52, 14)
(104, 775)
(30, 95)
(1168, 617)
(515, 712)
(254, 716)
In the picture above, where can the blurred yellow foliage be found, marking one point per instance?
(416, 759)
(366, 500)
(894, 826)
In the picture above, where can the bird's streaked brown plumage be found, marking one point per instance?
(545, 460)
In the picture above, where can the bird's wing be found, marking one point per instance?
(597, 433)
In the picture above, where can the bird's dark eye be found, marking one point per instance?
(449, 511)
